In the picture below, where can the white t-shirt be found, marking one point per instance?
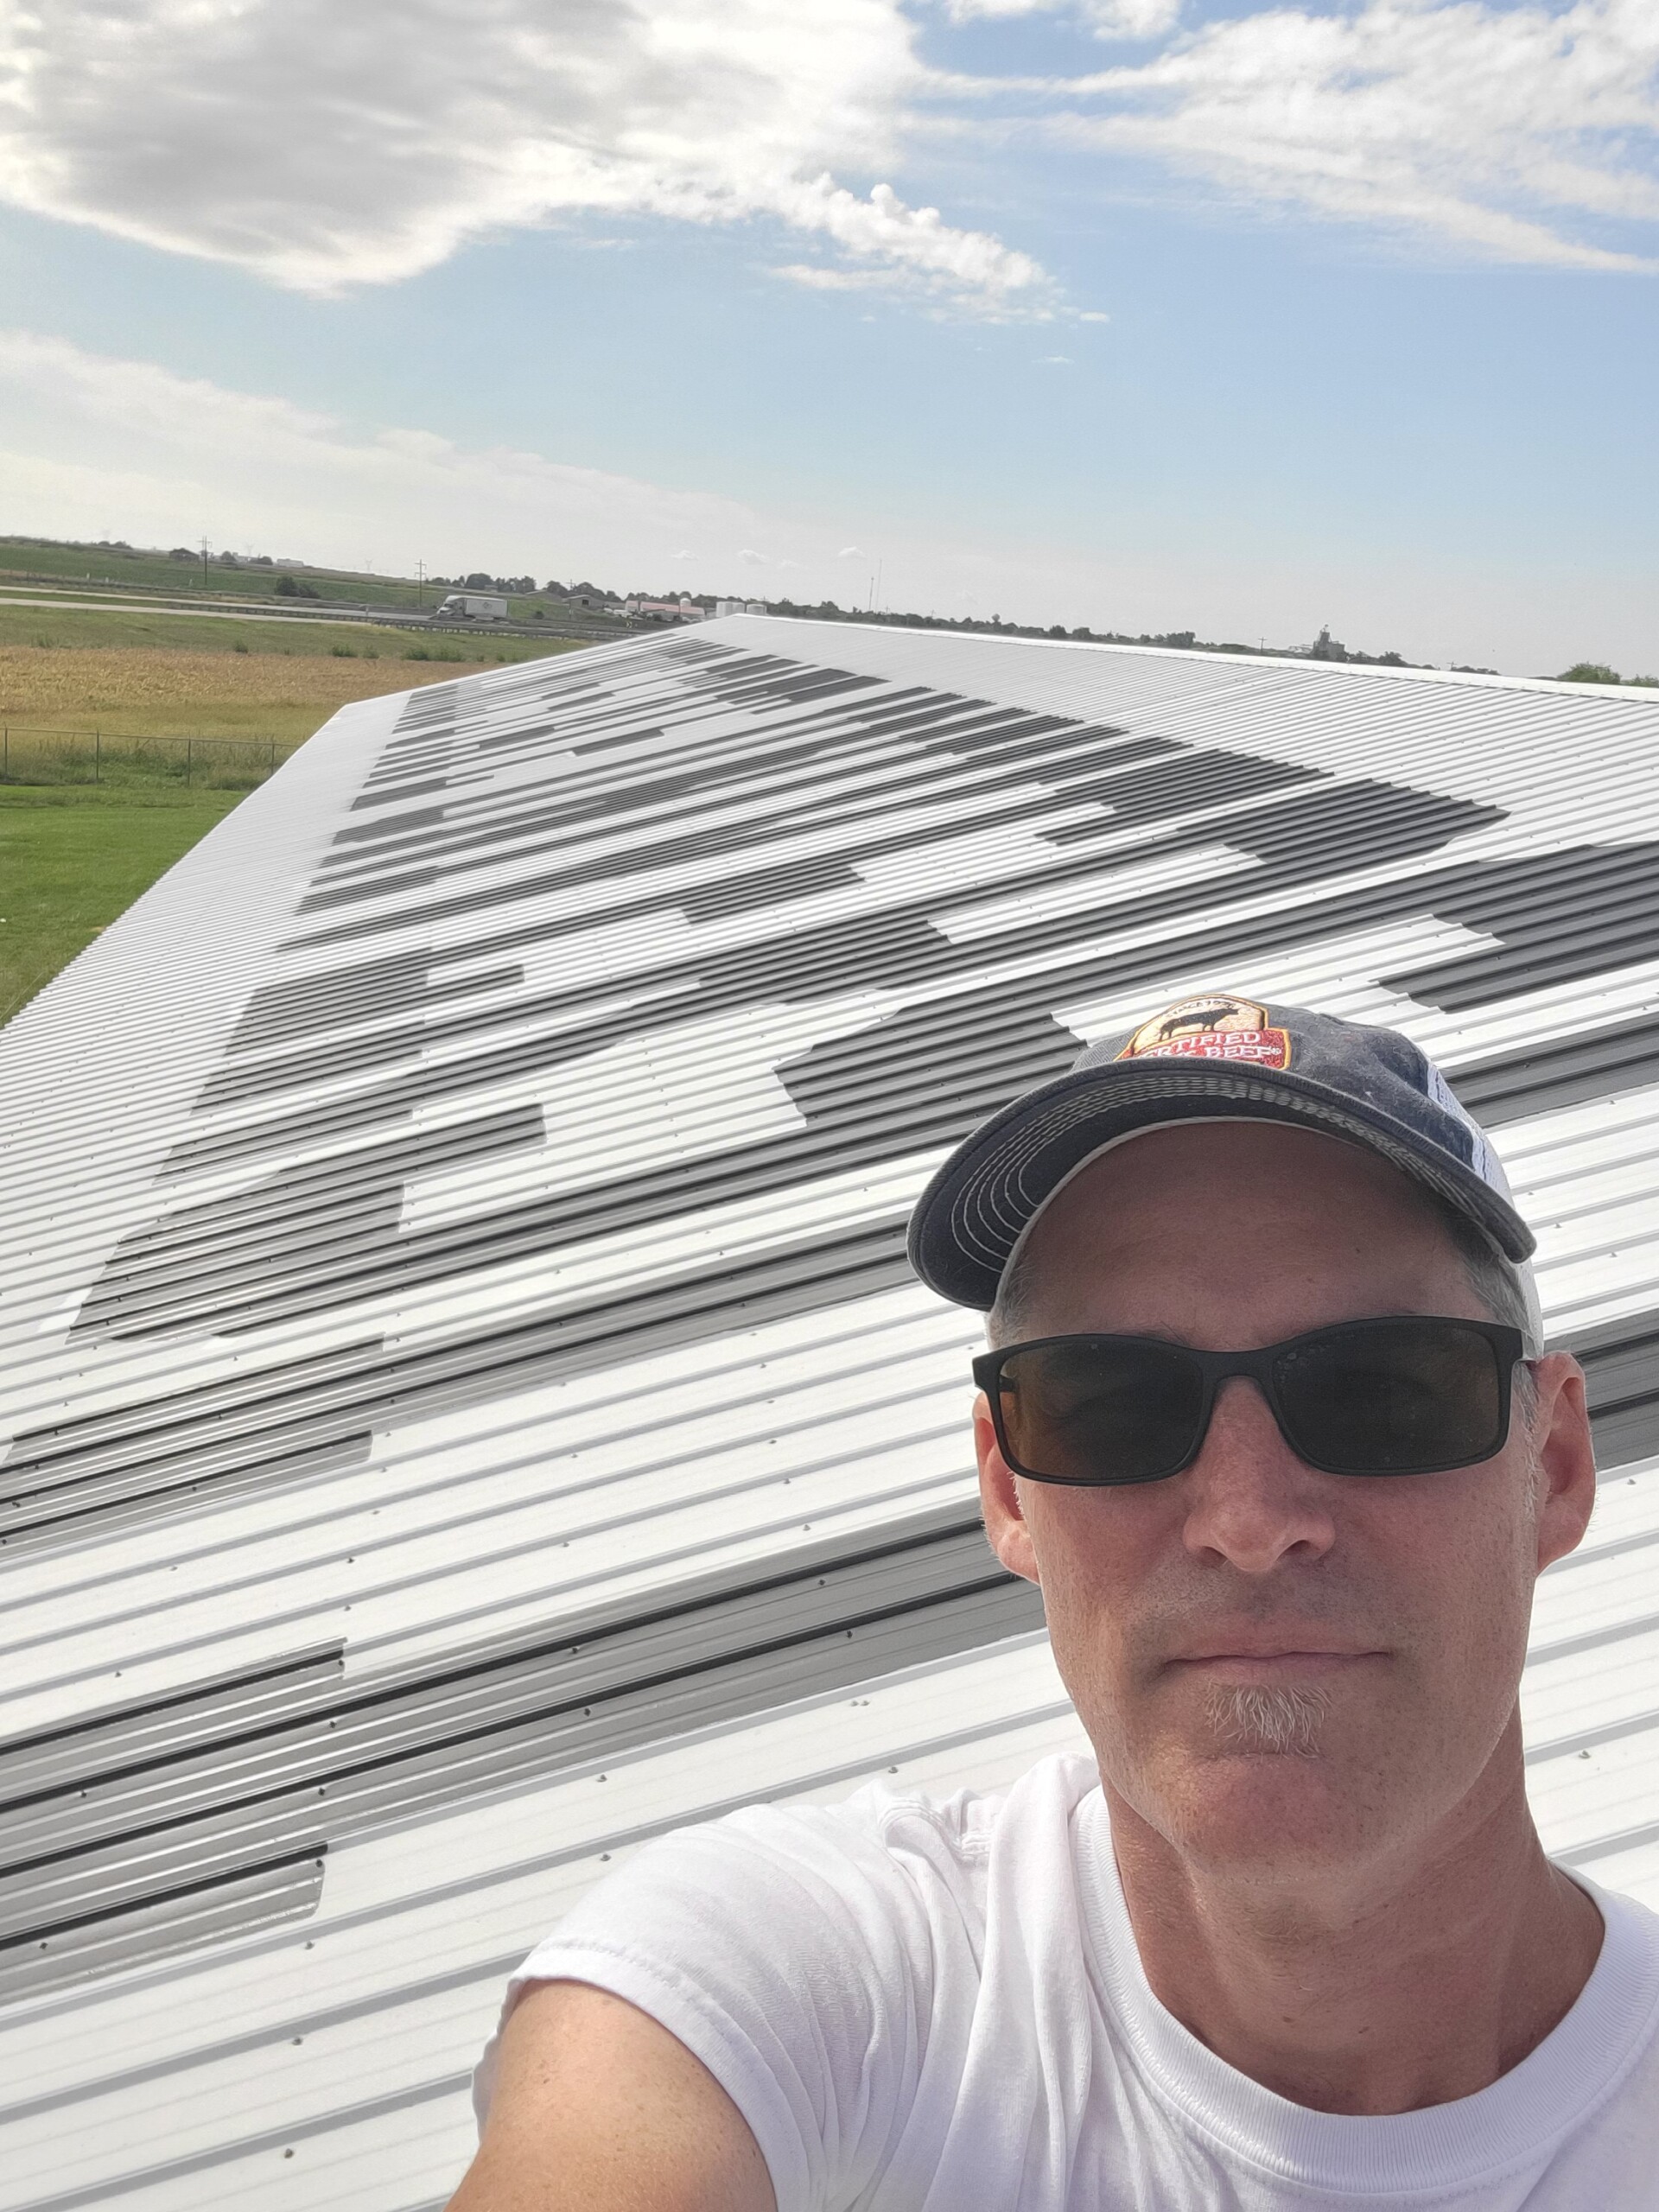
(924, 2007)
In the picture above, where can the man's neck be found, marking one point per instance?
(1382, 1988)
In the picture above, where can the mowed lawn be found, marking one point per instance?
(73, 855)
(73, 858)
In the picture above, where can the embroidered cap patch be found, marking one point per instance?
(1217, 1026)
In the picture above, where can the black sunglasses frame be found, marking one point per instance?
(1508, 1349)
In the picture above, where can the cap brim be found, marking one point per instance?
(979, 1204)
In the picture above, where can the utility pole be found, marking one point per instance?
(204, 565)
(420, 583)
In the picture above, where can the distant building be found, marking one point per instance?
(665, 610)
(1325, 647)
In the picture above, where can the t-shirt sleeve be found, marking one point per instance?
(788, 1950)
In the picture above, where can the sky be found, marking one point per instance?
(1145, 315)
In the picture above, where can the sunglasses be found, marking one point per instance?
(1406, 1394)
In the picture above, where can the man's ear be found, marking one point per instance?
(999, 1498)
(1567, 1458)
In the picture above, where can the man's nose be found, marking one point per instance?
(1249, 1500)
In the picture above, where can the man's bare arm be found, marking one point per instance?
(599, 2109)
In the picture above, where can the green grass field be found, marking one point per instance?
(73, 858)
(77, 629)
(189, 714)
(24, 560)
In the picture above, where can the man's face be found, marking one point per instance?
(1283, 1671)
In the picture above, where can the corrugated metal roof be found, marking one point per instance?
(466, 1408)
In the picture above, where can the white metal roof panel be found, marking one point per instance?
(465, 1406)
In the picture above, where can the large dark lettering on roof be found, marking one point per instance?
(615, 852)
(703, 835)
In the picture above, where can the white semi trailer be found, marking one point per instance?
(472, 606)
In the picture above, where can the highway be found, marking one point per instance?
(205, 613)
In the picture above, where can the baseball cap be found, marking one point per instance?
(1215, 1056)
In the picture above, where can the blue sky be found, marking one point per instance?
(1239, 320)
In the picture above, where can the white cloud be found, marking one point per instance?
(913, 244)
(852, 553)
(1133, 18)
(1520, 132)
(1106, 18)
(321, 145)
(750, 558)
(1054, 361)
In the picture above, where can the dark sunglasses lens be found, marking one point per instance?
(1099, 1410)
(1394, 1397)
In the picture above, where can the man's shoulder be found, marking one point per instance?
(862, 1890)
(899, 1822)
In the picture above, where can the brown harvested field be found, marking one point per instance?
(152, 691)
